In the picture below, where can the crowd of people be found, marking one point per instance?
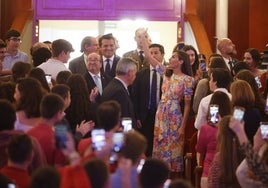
(62, 126)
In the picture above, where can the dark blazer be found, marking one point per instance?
(115, 61)
(141, 93)
(78, 65)
(134, 55)
(115, 90)
(91, 84)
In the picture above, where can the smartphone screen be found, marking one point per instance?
(61, 135)
(257, 79)
(48, 78)
(214, 113)
(126, 124)
(203, 65)
(98, 139)
(264, 129)
(118, 140)
(238, 113)
(142, 161)
(266, 106)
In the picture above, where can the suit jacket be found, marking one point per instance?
(78, 65)
(135, 55)
(115, 90)
(105, 79)
(115, 61)
(141, 93)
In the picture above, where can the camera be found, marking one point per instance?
(213, 113)
(238, 113)
(98, 139)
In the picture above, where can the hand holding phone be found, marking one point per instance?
(238, 113)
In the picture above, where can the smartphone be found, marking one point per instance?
(61, 134)
(238, 113)
(98, 139)
(266, 105)
(257, 79)
(180, 45)
(202, 65)
(126, 123)
(213, 113)
(140, 165)
(11, 185)
(118, 140)
(264, 129)
(48, 78)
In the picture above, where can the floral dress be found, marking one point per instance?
(167, 145)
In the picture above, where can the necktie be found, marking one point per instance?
(141, 56)
(107, 67)
(98, 83)
(153, 91)
(230, 65)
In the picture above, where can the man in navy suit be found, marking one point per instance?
(117, 89)
(142, 93)
(109, 58)
(94, 78)
(79, 64)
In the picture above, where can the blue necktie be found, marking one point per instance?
(98, 84)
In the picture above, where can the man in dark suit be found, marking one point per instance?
(138, 53)
(117, 88)
(94, 78)
(227, 50)
(109, 58)
(79, 64)
(142, 89)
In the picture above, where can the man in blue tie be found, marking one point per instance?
(95, 79)
(146, 93)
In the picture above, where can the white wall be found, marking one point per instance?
(164, 33)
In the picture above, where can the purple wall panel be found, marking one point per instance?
(155, 10)
(145, 5)
(77, 5)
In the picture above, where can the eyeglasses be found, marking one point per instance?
(15, 39)
(93, 60)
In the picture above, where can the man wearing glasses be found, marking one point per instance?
(13, 54)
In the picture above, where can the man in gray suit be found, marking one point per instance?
(79, 65)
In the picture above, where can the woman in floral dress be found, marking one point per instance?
(170, 122)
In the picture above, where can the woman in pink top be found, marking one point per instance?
(206, 144)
